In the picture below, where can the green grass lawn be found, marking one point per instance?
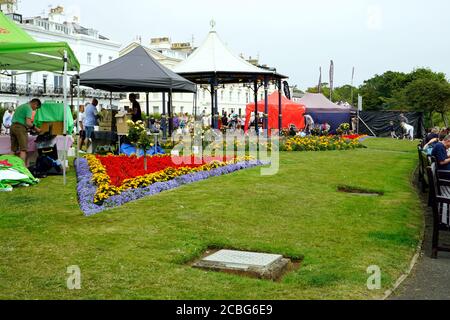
(139, 251)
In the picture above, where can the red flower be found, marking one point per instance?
(121, 168)
(352, 136)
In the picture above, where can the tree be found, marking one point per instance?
(347, 93)
(343, 93)
(424, 73)
(377, 91)
(386, 91)
(428, 96)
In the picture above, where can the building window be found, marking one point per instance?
(246, 98)
(221, 95)
(89, 58)
(58, 82)
(231, 96)
(155, 109)
(239, 96)
(100, 59)
(181, 109)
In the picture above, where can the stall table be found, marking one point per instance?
(102, 139)
(5, 145)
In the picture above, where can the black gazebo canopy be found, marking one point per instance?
(138, 71)
(135, 71)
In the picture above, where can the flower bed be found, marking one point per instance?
(322, 143)
(354, 136)
(97, 193)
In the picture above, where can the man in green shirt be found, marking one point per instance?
(21, 123)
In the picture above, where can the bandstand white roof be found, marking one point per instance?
(214, 57)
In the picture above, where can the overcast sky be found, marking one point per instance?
(295, 36)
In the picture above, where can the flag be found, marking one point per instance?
(287, 91)
(331, 78)
(319, 87)
(353, 75)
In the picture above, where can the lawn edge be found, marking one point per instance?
(415, 259)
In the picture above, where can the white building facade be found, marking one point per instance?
(92, 50)
(90, 47)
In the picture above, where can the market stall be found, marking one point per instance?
(323, 110)
(136, 71)
(20, 52)
(293, 113)
(63, 144)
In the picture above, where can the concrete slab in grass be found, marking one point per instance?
(261, 265)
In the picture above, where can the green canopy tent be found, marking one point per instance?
(20, 52)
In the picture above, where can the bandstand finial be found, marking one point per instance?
(212, 23)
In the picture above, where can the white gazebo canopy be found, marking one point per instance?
(214, 59)
(214, 56)
(214, 64)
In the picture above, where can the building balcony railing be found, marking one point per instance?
(55, 92)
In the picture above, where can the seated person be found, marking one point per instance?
(428, 148)
(440, 153)
(325, 127)
(432, 135)
(292, 130)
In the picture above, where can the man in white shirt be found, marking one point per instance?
(309, 123)
(409, 131)
(7, 120)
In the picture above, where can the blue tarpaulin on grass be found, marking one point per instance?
(129, 150)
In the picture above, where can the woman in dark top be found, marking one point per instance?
(136, 108)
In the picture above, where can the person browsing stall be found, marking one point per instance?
(21, 123)
(90, 120)
(81, 120)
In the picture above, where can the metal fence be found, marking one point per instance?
(55, 92)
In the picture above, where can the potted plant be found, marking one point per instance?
(137, 134)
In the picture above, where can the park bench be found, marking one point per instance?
(439, 189)
(424, 163)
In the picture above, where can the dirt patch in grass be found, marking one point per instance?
(359, 191)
